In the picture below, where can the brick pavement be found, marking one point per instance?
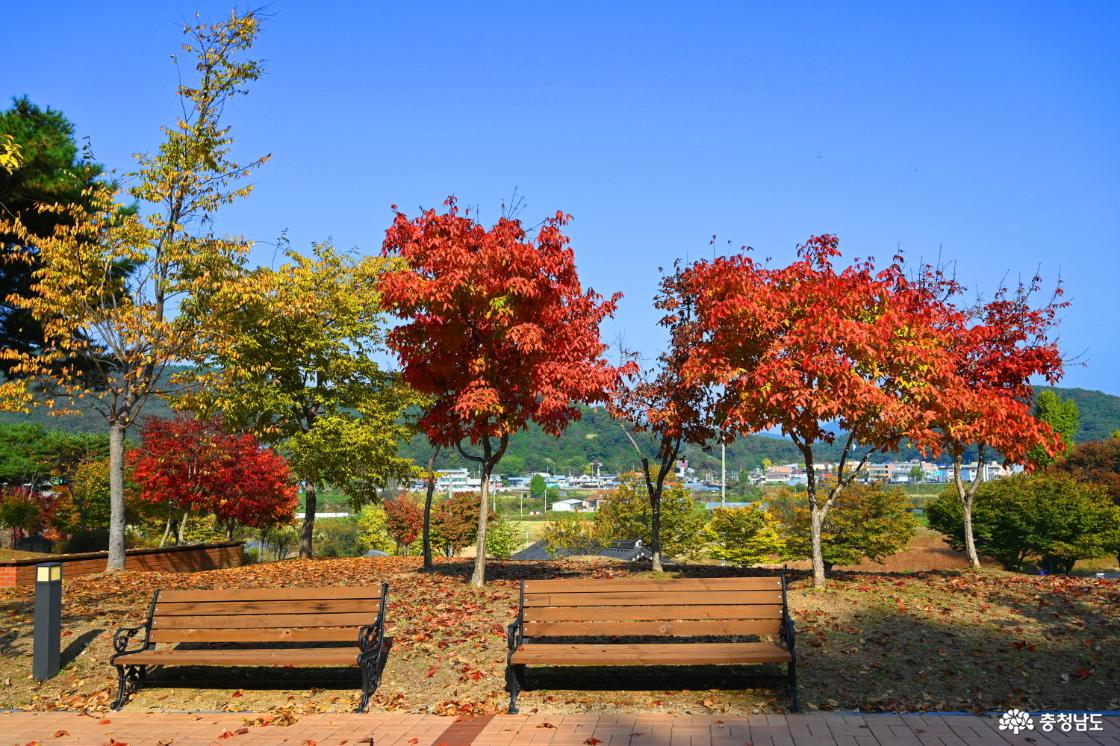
(396, 729)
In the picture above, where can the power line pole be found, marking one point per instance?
(723, 475)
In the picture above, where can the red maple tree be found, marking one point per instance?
(821, 352)
(497, 331)
(189, 464)
(997, 348)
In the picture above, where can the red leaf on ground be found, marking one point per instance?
(546, 724)
(593, 741)
(61, 733)
(432, 671)
(1082, 673)
(104, 721)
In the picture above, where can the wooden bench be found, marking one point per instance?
(627, 623)
(303, 627)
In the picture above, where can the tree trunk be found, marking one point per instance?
(166, 527)
(116, 498)
(478, 577)
(816, 523)
(430, 492)
(655, 530)
(181, 536)
(966, 493)
(306, 551)
(969, 539)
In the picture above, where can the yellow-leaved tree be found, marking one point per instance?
(117, 290)
(296, 365)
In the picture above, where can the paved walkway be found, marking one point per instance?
(389, 729)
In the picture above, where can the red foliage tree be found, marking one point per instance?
(190, 464)
(808, 348)
(663, 402)
(996, 348)
(498, 332)
(404, 520)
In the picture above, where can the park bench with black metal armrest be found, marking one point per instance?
(299, 627)
(644, 622)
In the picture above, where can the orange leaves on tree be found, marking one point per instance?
(497, 326)
(497, 332)
(404, 519)
(812, 347)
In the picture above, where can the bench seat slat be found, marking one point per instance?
(701, 653)
(283, 634)
(675, 585)
(695, 628)
(279, 606)
(639, 613)
(647, 598)
(341, 656)
(263, 621)
(273, 594)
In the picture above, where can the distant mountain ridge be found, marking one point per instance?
(597, 438)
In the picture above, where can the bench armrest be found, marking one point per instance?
(124, 634)
(370, 637)
(515, 633)
(787, 631)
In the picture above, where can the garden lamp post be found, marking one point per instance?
(48, 620)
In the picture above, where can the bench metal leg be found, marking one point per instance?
(515, 681)
(793, 686)
(129, 679)
(371, 678)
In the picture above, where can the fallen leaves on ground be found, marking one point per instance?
(943, 640)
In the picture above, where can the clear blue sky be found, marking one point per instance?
(987, 132)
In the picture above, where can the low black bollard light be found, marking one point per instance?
(48, 620)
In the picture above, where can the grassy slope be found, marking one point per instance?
(933, 641)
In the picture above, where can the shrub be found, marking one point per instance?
(1052, 519)
(567, 531)
(627, 515)
(455, 522)
(20, 512)
(337, 537)
(404, 521)
(867, 521)
(743, 536)
(373, 529)
(501, 538)
(83, 504)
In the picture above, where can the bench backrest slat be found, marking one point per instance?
(271, 594)
(257, 634)
(694, 607)
(264, 615)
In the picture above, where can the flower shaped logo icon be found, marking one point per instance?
(1016, 720)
